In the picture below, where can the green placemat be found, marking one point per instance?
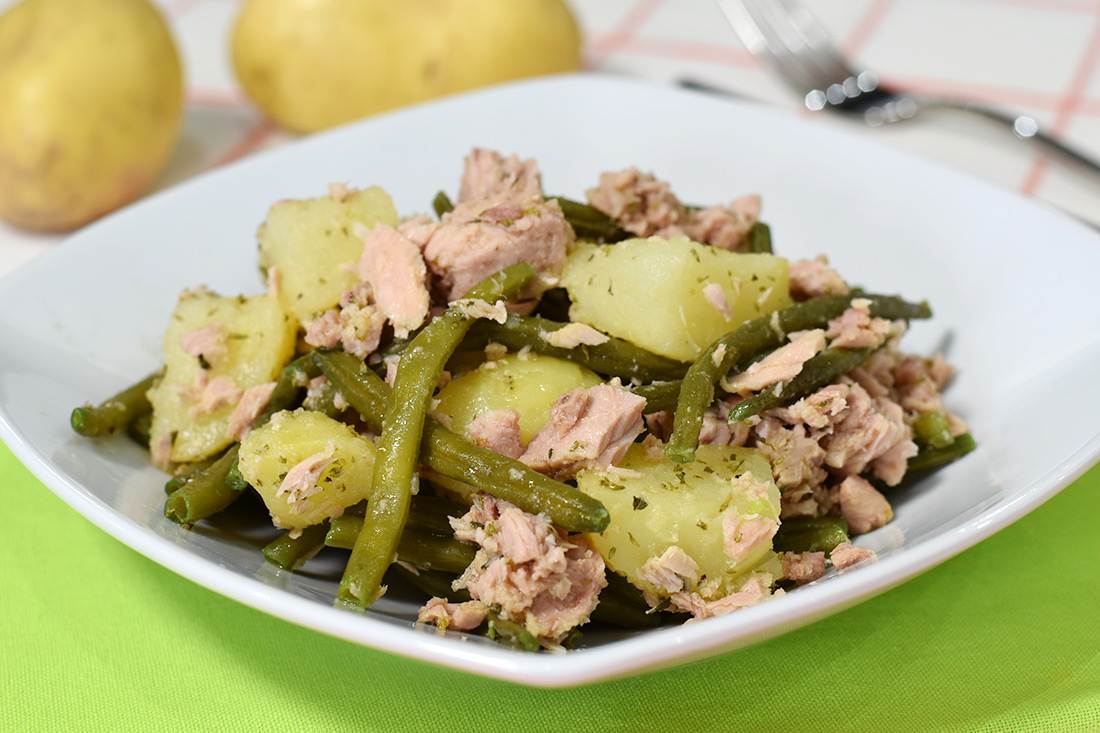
(1005, 637)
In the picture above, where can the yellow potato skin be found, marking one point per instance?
(313, 64)
(91, 99)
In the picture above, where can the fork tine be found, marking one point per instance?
(786, 35)
(774, 41)
(817, 40)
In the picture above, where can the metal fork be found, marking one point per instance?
(784, 34)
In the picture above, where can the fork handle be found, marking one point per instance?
(1022, 126)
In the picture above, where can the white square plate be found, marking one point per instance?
(1008, 281)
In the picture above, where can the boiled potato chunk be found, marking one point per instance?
(252, 339)
(529, 384)
(342, 462)
(690, 506)
(651, 291)
(311, 241)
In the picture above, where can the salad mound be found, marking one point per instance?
(542, 412)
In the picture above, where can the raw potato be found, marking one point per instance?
(271, 450)
(312, 64)
(610, 285)
(312, 241)
(529, 385)
(259, 341)
(91, 99)
(683, 505)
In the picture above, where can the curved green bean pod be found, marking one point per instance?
(932, 429)
(566, 506)
(433, 552)
(927, 460)
(456, 458)
(206, 493)
(342, 532)
(292, 379)
(615, 357)
(931, 458)
(818, 371)
(766, 332)
(659, 396)
(810, 534)
(395, 467)
(511, 633)
(622, 605)
(431, 513)
(115, 413)
(290, 553)
(416, 546)
(185, 474)
(589, 222)
(139, 428)
(235, 480)
(434, 583)
(324, 400)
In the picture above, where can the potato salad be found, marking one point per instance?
(544, 414)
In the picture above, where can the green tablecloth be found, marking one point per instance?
(1005, 637)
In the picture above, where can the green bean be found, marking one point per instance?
(818, 371)
(433, 552)
(292, 379)
(395, 467)
(115, 413)
(470, 465)
(659, 396)
(394, 348)
(810, 534)
(931, 458)
(235, 480)
(431, 513)
(932, 429)
(138, 429)
(589, 222)
(621, 604)
(436, 583)
(205, 493)
(342, 532)
(697, 391)
(416, 546)
(566, 506)
(927, 460)
(291, 552)
(760, 238)
(185, 472)
(324, 400)
(442, 204)
(511, 633)
(615, 357)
